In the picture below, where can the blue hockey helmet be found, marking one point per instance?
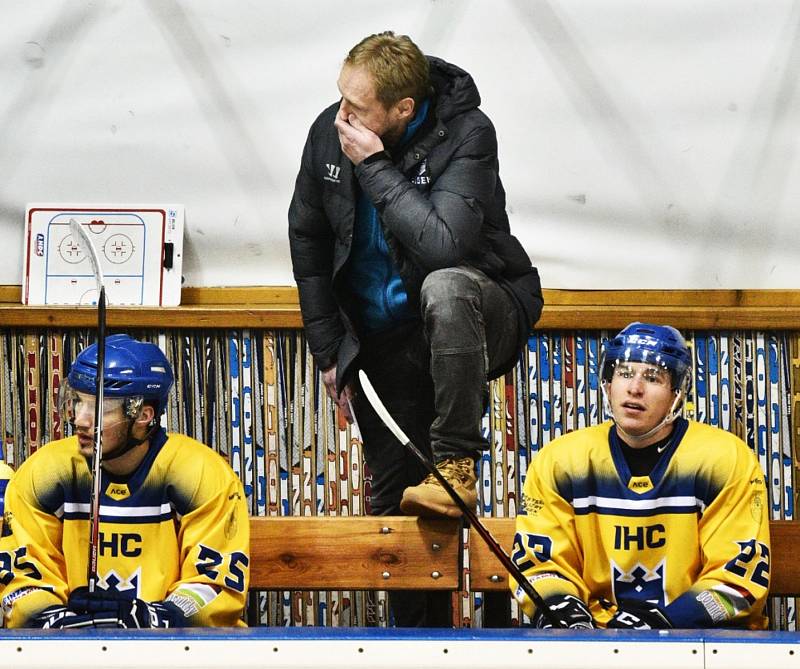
(132, 369)
(660, 345)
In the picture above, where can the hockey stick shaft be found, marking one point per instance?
(469, 513)
(353, 415)
(97, 451)
(80, 235)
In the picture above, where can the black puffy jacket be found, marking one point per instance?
(441, 204)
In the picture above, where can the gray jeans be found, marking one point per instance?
(432, 376)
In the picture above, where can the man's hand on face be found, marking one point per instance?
(357, 140)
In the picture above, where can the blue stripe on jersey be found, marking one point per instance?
(120, 520)
(697, 492)
(641, 512)
(638, 507)
(118, 513)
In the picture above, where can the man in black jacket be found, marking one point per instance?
(406, 267)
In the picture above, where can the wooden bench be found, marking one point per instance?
(355, 553)
(409, 553)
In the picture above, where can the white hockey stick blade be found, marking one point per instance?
(80, 236)
(380, 409)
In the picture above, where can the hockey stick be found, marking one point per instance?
(79, 235)
(470, 514)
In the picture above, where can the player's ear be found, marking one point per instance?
(146, 415)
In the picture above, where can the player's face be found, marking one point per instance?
(115, 424)
(358, 98)
(641, 396)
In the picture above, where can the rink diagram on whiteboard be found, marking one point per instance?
(139, 253)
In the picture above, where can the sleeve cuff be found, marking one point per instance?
(375, 157)
(548, 584)
(688, 612)
(25, 603)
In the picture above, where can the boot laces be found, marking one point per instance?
(461, 470)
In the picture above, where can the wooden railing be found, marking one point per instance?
(278, 307)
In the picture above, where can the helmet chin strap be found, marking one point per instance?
(637, 440)
(132, 442)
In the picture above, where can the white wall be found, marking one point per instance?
(642, 144)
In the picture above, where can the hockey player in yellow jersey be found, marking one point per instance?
(648, 520)
(173, 534)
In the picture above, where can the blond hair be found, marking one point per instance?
(397, 66)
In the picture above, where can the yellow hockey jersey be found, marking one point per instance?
(176, 529)
(692, 537)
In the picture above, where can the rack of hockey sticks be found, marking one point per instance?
(298, 459)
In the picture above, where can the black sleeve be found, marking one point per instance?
(311, 242)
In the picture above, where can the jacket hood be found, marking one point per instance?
(456, 92)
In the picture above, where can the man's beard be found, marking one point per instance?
(392, 136)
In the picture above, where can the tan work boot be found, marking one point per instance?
(429, 498)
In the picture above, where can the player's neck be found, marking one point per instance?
(659, 433)
(127, 463)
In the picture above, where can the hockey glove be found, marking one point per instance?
(567, 608)
(141, 614)
(126, 612)
(60, 617)
(634, 614)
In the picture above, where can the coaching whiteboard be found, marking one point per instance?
(642, 144)
(140, 250)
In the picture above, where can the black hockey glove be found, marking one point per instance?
(634, 614)
(141, 614)
(60, 617)
(567, 608)
(115, 610)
